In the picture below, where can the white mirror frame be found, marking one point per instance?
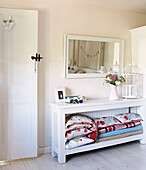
(68, 37)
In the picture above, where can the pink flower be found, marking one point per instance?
(113, 78)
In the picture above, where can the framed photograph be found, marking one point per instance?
(60, 95)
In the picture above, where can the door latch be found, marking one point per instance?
(37, 58)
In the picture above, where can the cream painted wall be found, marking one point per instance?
(56, 18)
(138, 54)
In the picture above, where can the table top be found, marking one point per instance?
(93, 102)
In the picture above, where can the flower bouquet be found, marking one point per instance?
(114, 80)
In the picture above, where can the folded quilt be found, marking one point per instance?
(118, 127)
(78, 142)
(81, 130)
(78, 125)
(121, 131)
(106, 121)
(128, 117)
(76, 133)
(119, 119)
(121, 135)
(77, 119)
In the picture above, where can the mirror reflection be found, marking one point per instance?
(92, 56)
(88, 55)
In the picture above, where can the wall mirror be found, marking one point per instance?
(87, 56)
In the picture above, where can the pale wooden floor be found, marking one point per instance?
(131, 156)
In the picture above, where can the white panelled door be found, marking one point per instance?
(18, 83)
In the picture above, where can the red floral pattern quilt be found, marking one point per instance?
(118, 127)
(128, 117)
(78, 125)
(106, 121)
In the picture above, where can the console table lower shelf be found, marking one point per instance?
(94, 109)
(97, 145)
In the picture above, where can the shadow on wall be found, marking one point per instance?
(43, 92)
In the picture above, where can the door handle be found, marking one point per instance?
(37, 58)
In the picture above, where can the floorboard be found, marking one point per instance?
(129, 156)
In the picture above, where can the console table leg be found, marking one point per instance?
(61, 158)
(54, 154)
(61, 137)
(142, 142)
(53, 118)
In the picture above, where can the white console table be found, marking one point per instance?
(92, 108)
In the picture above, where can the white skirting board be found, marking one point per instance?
(44, 150)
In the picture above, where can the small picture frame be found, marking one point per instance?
(60, 95)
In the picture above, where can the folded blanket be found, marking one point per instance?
(76, 133)
(120, 135)
(128, 117)
(77, 119)
(108, 121)
(78, 125)
(78, 142)
(121, 131)
(118, 127)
